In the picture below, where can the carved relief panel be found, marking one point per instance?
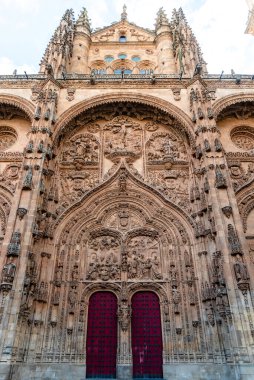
(144, 261)
(104, 257)
(148, 141)
(123, 139)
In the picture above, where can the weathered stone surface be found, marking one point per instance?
(126, 183)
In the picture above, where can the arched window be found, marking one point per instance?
(146, 71)
(122, 56)
(101, 343)
(135, 58)
(122, 39)
(146, 336)
(99, 71)
(122, 71)
(109, 58)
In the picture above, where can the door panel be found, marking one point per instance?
(101, 346)
(146, 336)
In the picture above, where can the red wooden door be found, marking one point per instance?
(146, 336)
(101, 344)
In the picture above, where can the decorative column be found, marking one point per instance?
(23, 282)
(225, 282)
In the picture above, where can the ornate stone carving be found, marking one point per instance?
(27, 184)
(70, 93)
(241, 274)
(83, 150)
(165, 147)
(122, 139)
(124, 309)
(8, 274)
(172, 183)
(42, 292)
(144, 258)
(14, 245)
(243, 137)
(8, 137)
(176, 298)
(220, 180)
(227, 210)
(233, 240)
(104, 258)
(21, 212)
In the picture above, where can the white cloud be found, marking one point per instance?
(7, 67)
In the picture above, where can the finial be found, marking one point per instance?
(161, 18)
(84, 19)
(124, 13)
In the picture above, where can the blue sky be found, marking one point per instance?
(27, 25)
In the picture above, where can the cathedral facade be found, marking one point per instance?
(126, 209)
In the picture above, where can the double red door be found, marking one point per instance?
(101, 347)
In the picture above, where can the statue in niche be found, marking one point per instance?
(124, 314)
(8, 271)
(241, 271)
(173, 275)
(75, 274)
(176, 297)
(72, 299)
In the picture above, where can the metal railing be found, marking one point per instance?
(127, 77)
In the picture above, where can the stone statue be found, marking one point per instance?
(8, 271)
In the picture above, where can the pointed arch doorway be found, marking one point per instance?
(101, 344)
(146, 336)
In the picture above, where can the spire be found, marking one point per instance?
(185, 46)
(161, 19)
(84, 20)
(59, 49)
(124, 13)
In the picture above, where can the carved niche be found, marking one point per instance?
(123, 138)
